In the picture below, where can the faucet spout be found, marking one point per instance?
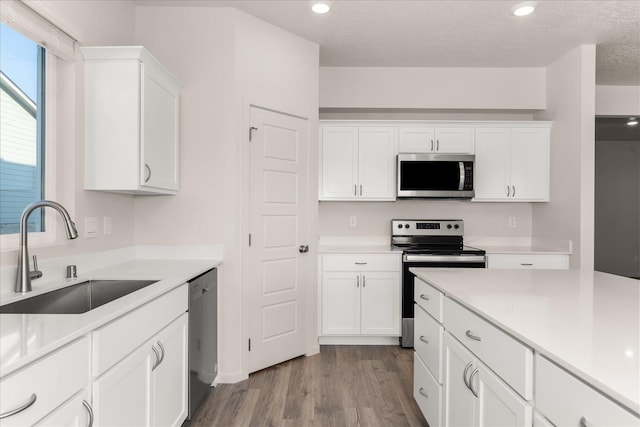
(23, 276)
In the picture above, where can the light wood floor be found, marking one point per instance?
(341, 386)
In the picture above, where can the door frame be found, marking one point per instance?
(311, 295)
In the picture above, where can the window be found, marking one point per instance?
(22, 125)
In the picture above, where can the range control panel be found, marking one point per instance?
(427, 227)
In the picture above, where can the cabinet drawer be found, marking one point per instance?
(427, 392)
(554, 385)
(429, 298)
(508, 358)
(52, 379)
(427, 341)
(361, 262)
(519, 261)
(115, 340)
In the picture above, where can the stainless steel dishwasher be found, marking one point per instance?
(203, 336)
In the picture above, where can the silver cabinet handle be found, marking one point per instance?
(424, 297)
(526, 264)
(422, 392)
(473, 374)
(361, 263)
(423, 339)
(364, 281)
(583, 422)
(508, 191)
(437, 145)
(162, 352)
(31, 401)
(473, 337)
(90, 411)
(157, 362)
(148, 169)
(464, 374)
(361, 189)
(432, 145)
(355, 189)
(513, 193)
(358, 281)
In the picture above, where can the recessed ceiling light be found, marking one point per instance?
(320, 6)
(632, 121)
(523, 9)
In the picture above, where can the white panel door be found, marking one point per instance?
(530, 163)
(377, 163)
(454, 140)
(459, 402)
(278, 266)
(492, 179)
(416, 140)
(339, 157)
(171, 375)
(123, 396)
(380, 304)
(160, 132)
(497, 404)
(340, 303)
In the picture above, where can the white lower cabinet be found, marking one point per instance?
(360, 295)
(148, 387)
(528, 261)
(76, 412)
(427, 392)
(475, 396)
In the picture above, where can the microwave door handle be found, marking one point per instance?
(462, 176)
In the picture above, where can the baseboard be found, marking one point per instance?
(358, 340)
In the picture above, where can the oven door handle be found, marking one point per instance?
(444, 258)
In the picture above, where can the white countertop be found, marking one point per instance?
(26, 337)
(586, 322)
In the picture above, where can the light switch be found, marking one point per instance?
(90, 227)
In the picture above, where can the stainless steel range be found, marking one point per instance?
(429, 243)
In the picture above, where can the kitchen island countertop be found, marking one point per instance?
(586, 322)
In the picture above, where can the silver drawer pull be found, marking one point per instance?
(424, 393)
(162, 352)
(423, 339)
(90, 411)
(526, 264)
(464, 374)
(148, 170)
(473, 337)
(31, 401)
(158, 358)
(361, 263)
(424, 297)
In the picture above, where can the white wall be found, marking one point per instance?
(225, 59)
(571, 107)
(618, 100)
(617, 211)
(439, 88)
(99, 23)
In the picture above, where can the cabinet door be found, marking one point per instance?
(454, 140)
(340, 304)
(73, 413)
(530, 164)
(459, 402)
(170, 390)
(497, 404)
(159, 168)
(123, 396)
(491, 172)
(377, 163)
(416, 140)
(380, 303)
(339, 152)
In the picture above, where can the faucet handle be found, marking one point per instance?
(35, 273)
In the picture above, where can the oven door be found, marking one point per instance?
(409, 261)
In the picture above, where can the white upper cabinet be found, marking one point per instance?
(512, 164)
(436, 140)
(131, 125)
(357, 163)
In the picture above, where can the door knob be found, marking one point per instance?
(303, 249)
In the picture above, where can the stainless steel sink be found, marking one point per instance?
(76, 299)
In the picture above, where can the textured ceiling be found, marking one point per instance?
(457, 33)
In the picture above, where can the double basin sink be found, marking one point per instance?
(76, 299)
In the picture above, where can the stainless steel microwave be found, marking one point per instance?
(435, 175)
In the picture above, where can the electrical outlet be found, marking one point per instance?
(90, 227)
(512, 222)
(107, 225)
(352, 221)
